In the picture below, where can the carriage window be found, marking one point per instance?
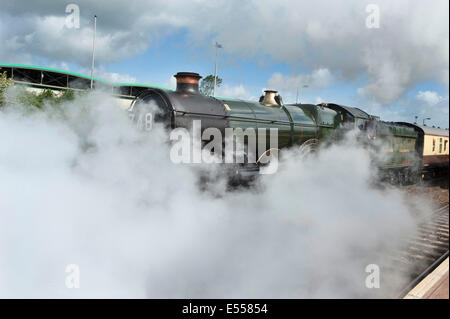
(361, 124)
(445, 145)
(440, 145)
(434, 144)
(372, 129)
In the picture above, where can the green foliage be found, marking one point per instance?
(36, 100)
(207, 85)
(32, 99)
(4, 84)
(67, 95)
(45, 98)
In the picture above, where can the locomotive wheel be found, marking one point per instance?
(403, 177)
(393, 177)
(414, 177)
(309, 147)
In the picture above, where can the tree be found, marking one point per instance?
(207, 85)
(67, 95)
(36, 100)
(4, 83)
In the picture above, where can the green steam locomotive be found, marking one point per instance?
(305, 126)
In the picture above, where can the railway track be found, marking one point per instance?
(425, 249)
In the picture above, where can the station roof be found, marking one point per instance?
(429, 130)
(27, 74)
(124, 88)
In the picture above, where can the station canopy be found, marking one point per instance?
(43, 77)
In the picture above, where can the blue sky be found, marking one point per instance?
(397, 70)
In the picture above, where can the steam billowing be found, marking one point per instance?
(83, 186)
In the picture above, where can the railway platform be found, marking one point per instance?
(433, 286)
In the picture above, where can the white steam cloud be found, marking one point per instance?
(83, 186)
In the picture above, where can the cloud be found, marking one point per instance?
(238, 92)
(287, 85)
(319, 100)
(100, 72)
(411, 46)
(419, 105)
(225, 90)
(388, 79)
(429, 97)
(49, 37)
(115, 77)
(318, 79)
(60, 66)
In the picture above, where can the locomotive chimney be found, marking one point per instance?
(187, 82)
(269, 98)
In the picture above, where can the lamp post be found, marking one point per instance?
(93, 52)
(218, 46)
(423, 122)
(296, 99)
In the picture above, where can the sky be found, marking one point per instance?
(390, 58)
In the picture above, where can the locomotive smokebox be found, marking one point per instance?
(187, 82)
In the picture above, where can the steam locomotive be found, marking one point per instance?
(409, 150)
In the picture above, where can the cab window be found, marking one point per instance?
(360, 124)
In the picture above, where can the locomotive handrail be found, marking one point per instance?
(238, 118)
